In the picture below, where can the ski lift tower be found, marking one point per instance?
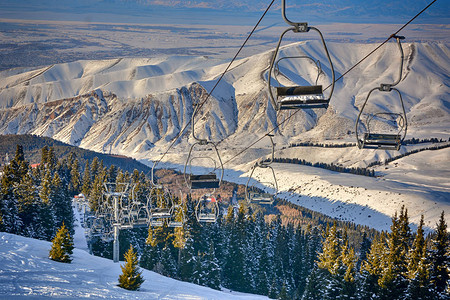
(117, 195)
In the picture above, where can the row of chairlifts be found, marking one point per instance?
(207, 207)
(159, 208)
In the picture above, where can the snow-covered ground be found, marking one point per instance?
(26, 272)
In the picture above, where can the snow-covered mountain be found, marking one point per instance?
(130, 105)
(137, 106)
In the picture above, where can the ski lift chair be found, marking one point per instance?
(203, 181)
(159, 203)
(299, 97)
(207, 209)
(177, 217)
(254, 195)
(140, 215)
(385, 140)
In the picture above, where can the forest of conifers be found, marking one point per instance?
(245, 250)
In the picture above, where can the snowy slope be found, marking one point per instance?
(26, 272)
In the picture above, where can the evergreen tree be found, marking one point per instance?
(62, 246)
(372, 268)
(315, 285)
(329, 258)
(131, 278)
(28, 205)
(188, 260)
(347, 272)
(212, 269)
(440, 259)
(12, 176)
(87, 181)
(418, 268)
(47, 212)
(61, 202)
(75, 178)
(167, 265)
(392, 281)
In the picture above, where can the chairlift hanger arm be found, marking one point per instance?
(388, 86)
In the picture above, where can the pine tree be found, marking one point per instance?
(212, 269)
(28, 205)
(393, 282)
(315, 285)
(372, 268)
(329, 258)
(440, 259)
(87, 181)
(131, 278)
(167, 265)
(47, 211)
(61, 202)
(62, 246)
(75, 178)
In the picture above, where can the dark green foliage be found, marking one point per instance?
(32, 148)
(62, 246)
(131, 278)
(440, 259)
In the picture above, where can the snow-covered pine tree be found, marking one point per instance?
(372, 268)
(440, 259)
(75, 177)
(131, 278)
(62, 246)
(47, 212)
(86, 181)
(393, 282)
(418, 268)
(28, 205)
(212, 269)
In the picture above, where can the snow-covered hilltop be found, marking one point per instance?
(137, 107)
(129, 105)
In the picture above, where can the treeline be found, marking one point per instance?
(395, 265)
(331, 167)
(241, 252)
(414, 141)
(34, 202)
(32, 145)
(386, 161)
(311, 144)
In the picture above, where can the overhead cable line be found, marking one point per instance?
(199, 106)
(340, 77)
(379, 46)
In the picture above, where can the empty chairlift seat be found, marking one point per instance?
(381, 141)
(301, 97)
(205, 181)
